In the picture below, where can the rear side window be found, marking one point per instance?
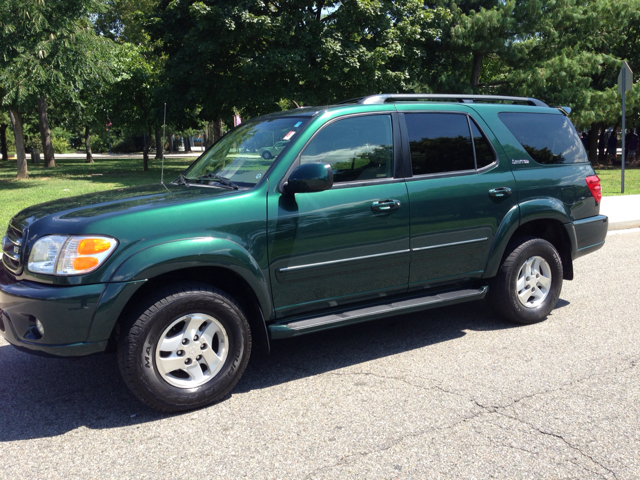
(444, 142)
(484, 153)
(547, 138)
(357, 148)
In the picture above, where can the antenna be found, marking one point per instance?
(164, 127)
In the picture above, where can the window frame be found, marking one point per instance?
(396, 138)
(406, 147)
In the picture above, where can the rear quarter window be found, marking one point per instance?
(548, 138)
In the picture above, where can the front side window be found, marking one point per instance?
(246, 153)
(547, 138)
(357, 148)
(439, 142)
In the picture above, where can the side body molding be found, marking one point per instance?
(196, 252)
(544, 208)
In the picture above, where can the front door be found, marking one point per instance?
(349, 243)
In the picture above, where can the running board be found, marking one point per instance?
(334, 320)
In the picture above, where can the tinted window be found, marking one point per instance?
(439, 142)
(547, 138)
(357, 148)
(484, 154)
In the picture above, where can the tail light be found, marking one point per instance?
(593, 182)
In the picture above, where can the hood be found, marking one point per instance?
(112, 202)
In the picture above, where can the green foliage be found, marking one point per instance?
(60, 144)
(98, 145)
(49, 47)
(304, 52)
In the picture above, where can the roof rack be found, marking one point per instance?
(385, 97)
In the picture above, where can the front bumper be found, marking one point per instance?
(65, 313)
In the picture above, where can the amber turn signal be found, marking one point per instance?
(91, 246)
(84, 263)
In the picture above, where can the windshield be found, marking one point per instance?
(244, 155)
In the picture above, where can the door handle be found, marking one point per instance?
(500, 192)
(385, 205)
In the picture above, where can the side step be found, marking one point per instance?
(308, 325)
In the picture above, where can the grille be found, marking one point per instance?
(12, 249)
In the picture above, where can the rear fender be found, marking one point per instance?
(546, 208)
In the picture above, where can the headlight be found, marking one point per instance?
(70, 255)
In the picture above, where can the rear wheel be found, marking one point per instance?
(186, 348)
(267, 155)
(528, 284)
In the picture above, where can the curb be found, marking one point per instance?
(624, 225)
(623, 211)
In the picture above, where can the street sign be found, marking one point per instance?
(625, 78)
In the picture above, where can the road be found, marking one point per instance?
(450, 393)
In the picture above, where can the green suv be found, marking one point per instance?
(378, 206)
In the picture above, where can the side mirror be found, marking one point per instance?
(309, 177)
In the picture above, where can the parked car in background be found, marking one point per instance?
(271, 152)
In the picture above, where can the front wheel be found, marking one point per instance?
(528, 284)
(187, 347)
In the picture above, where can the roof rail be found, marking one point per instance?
(385, 97)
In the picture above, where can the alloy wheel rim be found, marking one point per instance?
(533, 282)
(191, 350)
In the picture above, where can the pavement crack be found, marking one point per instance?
(559, 437)
(391, 443)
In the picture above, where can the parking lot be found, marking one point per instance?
(448, 393)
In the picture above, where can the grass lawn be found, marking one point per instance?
(74, 177)
(610, 180)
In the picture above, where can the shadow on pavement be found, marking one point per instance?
(45, 397)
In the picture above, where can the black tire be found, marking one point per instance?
(503, 290)
(267, 155)
(137, 347)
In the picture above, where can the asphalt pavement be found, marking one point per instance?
(448, 393)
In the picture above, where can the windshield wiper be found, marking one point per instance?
(181, 179)
(219, 179)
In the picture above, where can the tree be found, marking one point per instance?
(48, 49)
(303, 52)
(133, 96)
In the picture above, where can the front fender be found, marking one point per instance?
(195, 252)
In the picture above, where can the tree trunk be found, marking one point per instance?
(45, 133)
(217, 130)
(16, 123)
(476, 70)
(187, 143)
(87, 144)
(593, 144)
(208, 135)
(159, 145)
(3, 141)
(145, 152)
(170, 137)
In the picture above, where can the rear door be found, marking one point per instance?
(460, 190)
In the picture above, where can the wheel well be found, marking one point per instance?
(222, 278)
(553, 232)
